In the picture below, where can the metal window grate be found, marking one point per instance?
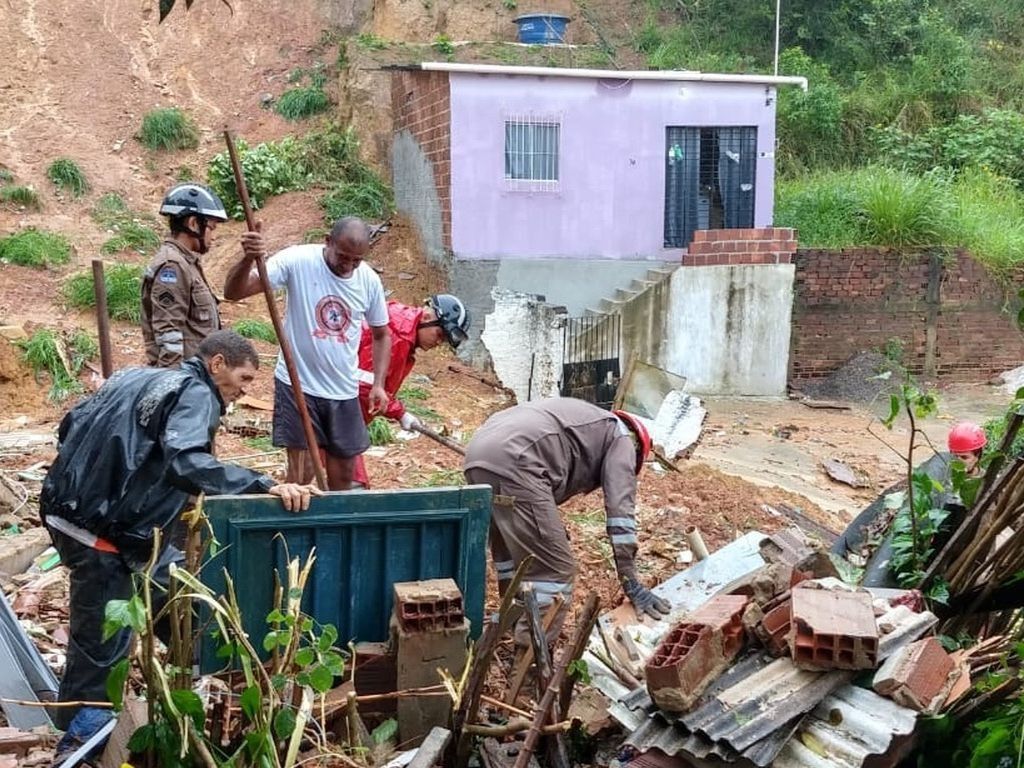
(590, 358)
(532, 152)
(709, 180)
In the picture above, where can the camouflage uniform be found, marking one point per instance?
(179, 309)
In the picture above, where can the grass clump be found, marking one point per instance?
(131, 232)
(35, 248)
(413, 398)
(124, 291)
(371, 42)
(48, 354)
(168, 128)
(380, 431)
(19, 195)
(68, 176)
(305, 101)
(253, 328)
(444, 477)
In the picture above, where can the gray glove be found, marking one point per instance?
(645, 601)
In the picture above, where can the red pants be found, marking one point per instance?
(359, 475)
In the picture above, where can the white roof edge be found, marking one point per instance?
(613, 74)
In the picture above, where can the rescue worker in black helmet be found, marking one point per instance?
(179, 309)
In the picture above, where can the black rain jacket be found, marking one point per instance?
(130, 456)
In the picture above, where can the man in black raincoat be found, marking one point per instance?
(128, 459)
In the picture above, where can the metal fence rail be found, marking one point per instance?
(590, 359)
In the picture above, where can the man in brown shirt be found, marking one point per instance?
(178, 308)
(536, 456)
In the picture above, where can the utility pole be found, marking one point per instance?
(778, 15)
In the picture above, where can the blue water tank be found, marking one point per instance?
(542, 28)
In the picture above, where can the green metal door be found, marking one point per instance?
(365, 542)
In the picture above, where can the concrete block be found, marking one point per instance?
(919, 676)
(18, 551)
(695, 652)
(419, 656)
(429, 605)
(832, 629)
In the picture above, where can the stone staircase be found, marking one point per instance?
(613, 305)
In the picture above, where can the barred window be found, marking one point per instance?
(531, 150)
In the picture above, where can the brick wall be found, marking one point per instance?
(722, 247)
(946, 310)
(421, 104)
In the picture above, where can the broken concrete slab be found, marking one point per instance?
(918, 676)
(832, 628)
(842, 472)
(18, 551)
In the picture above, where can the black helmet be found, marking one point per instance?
(193, 200)
(452, 316)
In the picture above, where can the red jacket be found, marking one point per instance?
(403, 323)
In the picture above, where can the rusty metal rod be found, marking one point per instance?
(99, 287)
(275, 318)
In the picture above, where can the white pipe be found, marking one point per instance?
(696, 542)
(612, 74)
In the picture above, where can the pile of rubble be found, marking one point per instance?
(760, 666)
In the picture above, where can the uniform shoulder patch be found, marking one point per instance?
(165, 299)
(167, 274)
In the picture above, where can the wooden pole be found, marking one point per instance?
(275, 318)
(439, 438)
(99, 287)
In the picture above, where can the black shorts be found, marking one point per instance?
(337, 424)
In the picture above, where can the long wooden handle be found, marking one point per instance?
(446, 442)
(275, 318)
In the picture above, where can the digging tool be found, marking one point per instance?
(275, 318)
(438, 437)
(99, 287)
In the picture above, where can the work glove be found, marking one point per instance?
(644, 601)
(409, 422)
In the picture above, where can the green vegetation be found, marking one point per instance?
(47, 353)
(132, 232)
(66, 175)
(371, 42)
(35, 248)
(253, 328)
(168, 128)
(380, 431)
(443, 44)
(413, 398)
(23, 196)
(262, 443)
(327, 159)
(443, 478)
(124, 291)
(304, 101)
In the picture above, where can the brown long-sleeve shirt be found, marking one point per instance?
(570, 447)
(179, 308)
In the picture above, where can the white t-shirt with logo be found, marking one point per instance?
(324, 319)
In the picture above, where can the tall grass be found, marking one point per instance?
(168, 128)
(124, 291)
(976, 209)
(24, 196)
(35, 248)
(301, 102)
(47, 353)
(67, 175)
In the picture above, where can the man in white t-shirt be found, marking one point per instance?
(329, 293)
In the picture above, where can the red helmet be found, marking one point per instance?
(643, 437)
(966, 437)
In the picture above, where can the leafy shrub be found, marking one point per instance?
(809, 123)
(65, 174)
(168, 128)
(46, 353)
(20, 195)
(124, 291)
(371, 42)
(35, 248)
(297, 103)
(269, 170)
(253, 328)
(443, 44)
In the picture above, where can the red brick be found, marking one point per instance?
(832, 629)
(918, 676)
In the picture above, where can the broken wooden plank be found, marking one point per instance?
(525, 660)
(825, 404)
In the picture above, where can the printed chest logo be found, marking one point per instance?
(333, 319)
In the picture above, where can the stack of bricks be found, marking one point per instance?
(735, 247)
(832, 629)
(918, 676)
(695, 652)
(429, 631)
(421, 105)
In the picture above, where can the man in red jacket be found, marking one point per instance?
(443, 318)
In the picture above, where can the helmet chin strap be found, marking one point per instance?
(200, 235)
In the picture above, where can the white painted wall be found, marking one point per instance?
(524, 338)
(725, 328)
